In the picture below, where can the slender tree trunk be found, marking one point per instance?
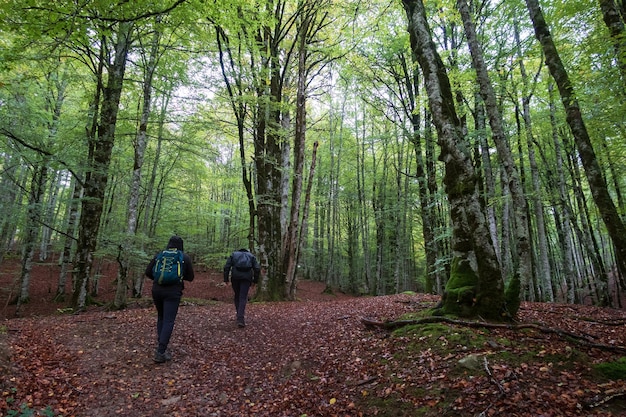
(487, 169)
(564, 227)
(70, 231)
(615, 23)
(154, 189)
(305, 212)
(236, 92)
(587, 236)
(543, 265)
(427, 209)
(35, 213)
(291, 242)
(11, 184)
(132, 215)
(475, 286)
(597, 182)
(33, 217)
(367, 287)
(439, 209)
(523, 272)
(49, 216)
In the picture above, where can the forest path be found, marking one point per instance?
(292, 359)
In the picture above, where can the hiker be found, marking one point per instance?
(168, 275)
(245, 272)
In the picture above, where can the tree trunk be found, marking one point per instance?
(523, 273)
(597, 182)
(154, 189)
(292, 237)
(564, 227)
(133, 202)
(615, 24)
(475, 287)
(367, 287)
(97, 176)
(544, 275)
(70, 231)
(35, 212)
(234, 86)
(427, 208)
(33, 216)
(11, 186)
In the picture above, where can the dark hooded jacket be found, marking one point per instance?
(251, 272)
(174, 242)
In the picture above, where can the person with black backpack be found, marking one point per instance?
(245, 272)
(168, 269)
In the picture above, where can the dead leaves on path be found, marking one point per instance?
(313, 359)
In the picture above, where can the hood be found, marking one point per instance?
(175, 242)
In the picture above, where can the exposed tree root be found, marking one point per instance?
(576, 338)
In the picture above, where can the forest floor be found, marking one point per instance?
(312, 357)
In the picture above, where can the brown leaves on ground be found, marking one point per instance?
(311, 358)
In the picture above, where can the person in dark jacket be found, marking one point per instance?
(167, 299)
(244, 270)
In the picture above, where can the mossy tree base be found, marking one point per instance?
(465, 297)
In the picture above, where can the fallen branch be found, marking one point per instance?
(599, 400)
(491, 378)
(581, 340)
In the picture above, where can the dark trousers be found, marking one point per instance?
(241, 288)
(166, 300)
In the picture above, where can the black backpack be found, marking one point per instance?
(168, 267)
(242, 261)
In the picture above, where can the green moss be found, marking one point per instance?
(442, 338)
(612, 370)
(460, 295)
(461, 275)
(511, 296)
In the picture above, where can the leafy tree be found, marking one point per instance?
(475, 287)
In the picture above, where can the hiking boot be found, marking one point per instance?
(162, 357)
(241, 323)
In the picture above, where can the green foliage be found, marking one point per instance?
(365, 218)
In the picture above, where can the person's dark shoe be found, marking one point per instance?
(162, 357)
(241, 323)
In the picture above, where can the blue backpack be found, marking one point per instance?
(168, 267)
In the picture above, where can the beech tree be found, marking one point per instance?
(475, 286)
(523, 273)
(593, 171)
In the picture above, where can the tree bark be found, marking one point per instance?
(97, 176)
(70, 231)
(141, 143)
(475, 287)
(543, 274)
(597, 182)
(523, 273)
(565, 220)
(615, 23)
(33, 216)
(291, 241)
